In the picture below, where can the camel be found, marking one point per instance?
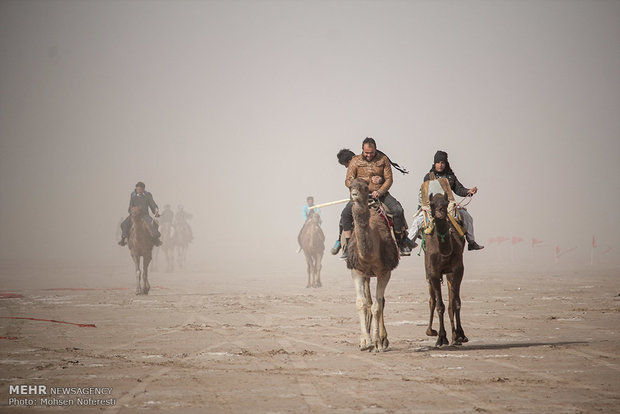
(444, 255)
(140, 245)
(372, 253)
(312, 242)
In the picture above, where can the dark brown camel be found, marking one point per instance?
(140, 245)
(444, 256)
(312, 242)
(372, 253)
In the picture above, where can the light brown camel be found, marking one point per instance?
(372, 253)
(140, 245)
(444, 255)
(312, 242)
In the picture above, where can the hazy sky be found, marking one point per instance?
(236, 110)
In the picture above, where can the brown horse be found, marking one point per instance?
(444, 256)
(140, 245)
(312, 242)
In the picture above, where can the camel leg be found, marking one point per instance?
(318, 260)
(368, 303)
(379, 332)
(362, 309)
(431, 304)
(308, 268)
(435, 280)
(145, 275)
(454, 307)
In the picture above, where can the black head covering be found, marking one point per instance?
(140, 184)
(441, 156)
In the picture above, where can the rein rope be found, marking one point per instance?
(468, 197)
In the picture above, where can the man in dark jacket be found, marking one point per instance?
(441, 169)
(143, 199)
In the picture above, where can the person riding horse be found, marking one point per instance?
(180, 221)
(144, 200)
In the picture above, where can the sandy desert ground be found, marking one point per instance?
(263, 343)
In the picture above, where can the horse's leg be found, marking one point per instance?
(435, 280)
(379, 332)
(431, 304)
(136, 261)
(362, 309)
(145, 274)
(458, 336)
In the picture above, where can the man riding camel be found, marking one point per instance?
(441, 169)
(143, 199)
(376, 168)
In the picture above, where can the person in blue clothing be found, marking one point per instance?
(143, 199)
(306, 210)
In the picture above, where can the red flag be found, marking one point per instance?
(593, 243)
(516, 239)
(536, 242)
(500, 239)
(557, 250)
(607, 250)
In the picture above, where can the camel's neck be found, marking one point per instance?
(442, 229)
(361, 218)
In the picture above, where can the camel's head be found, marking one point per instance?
(136, 211)
(439, 205)
(359, 191)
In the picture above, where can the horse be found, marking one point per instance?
(140, 246)
(181, 238)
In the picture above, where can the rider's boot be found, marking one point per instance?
(336, 247)
(474, 246)
(123, 241)
(345, 249)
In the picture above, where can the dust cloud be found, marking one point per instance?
(236, 111)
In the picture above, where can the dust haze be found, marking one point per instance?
(236, 111)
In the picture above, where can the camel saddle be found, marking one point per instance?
(382, 210)
(441, 185)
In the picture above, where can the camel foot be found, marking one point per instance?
(366, 344)
(383, 345)
(441, 341)
(431, 332)
(460, 340)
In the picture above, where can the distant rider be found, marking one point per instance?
(143, 199)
